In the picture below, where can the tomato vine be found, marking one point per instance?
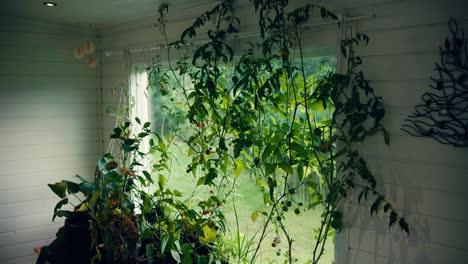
(266, 115)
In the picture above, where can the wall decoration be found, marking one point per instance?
(86, 52)
(443, 114)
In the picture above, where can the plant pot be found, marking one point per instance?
(72, 243)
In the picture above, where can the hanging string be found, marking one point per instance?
(121, 111)
(345, 30)
(100, 94)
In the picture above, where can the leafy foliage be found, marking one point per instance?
(262, 112)
(266, 114)
(165, 229)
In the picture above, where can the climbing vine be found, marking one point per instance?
(261, 113)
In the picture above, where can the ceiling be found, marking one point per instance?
(91, 13)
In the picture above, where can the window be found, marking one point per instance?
(140, 106)
(168, 114)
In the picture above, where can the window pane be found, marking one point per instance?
(169, 115)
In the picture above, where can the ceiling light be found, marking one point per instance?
(50, 4)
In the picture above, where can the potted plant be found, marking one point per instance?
(118, 220)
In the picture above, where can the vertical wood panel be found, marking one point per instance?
(423, 178)
(48, 129)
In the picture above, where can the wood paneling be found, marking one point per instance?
(48, 129)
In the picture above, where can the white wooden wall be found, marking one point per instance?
(48, 129)
(426, 181)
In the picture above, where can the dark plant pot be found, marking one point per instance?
(72, 243)
(77, 237)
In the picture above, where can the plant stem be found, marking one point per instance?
(265, 226)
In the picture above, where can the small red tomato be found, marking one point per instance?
(206, 212)
(208, 152)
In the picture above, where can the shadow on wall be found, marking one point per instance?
(370, 237)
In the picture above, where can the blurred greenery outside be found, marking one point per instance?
(168, 113)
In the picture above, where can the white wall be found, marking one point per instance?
(48, 129)
(426, 181)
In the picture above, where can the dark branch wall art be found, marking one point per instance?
(442, 115)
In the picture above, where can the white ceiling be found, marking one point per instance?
(91, 13)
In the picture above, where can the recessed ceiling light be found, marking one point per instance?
(50, 4)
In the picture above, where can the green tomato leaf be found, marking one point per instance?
(238, 168)
(261, 182)
(209, 235)
(86, 187)
(59, 188)
(58, 206)
(164, 241)
(148, 176)
(187, 249)
(72, 187)
(147, 233)
(149, 252)
(175, 255)
(201, 181)
(63, 213)
(286, 168)
(187, 259)
(254, 216)
(81, 178)
(212, 174)
(161, 181)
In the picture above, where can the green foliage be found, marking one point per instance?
(262, 113)
(267, 114)
(127, 224)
